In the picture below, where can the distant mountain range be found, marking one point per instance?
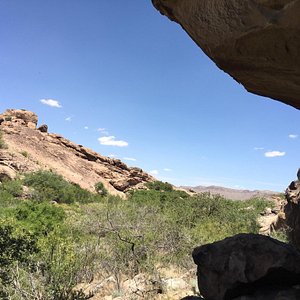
(234, 194)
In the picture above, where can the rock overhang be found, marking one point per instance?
(256, 42)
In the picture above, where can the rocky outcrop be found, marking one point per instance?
(19, 116)
(292, 211)
(30, 149)
(256, 42)
(273, 219)
(247, 266)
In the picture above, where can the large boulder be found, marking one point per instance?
(244, 264)
(256, 41)
(7, 173)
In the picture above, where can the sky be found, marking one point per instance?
(123, 80)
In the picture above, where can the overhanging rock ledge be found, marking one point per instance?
(257, 42)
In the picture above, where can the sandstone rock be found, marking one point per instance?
(28, 117)
(292, 212)
(257, 42)
(240, 265)
(43, 128)
(175, 284)
(7, 173)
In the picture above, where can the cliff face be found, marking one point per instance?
(30, 149)
(256, 42)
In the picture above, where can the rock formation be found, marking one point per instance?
(248, 266)
(292, 211)
(30, 149)
(257, 42)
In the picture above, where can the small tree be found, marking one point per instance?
(100, 189)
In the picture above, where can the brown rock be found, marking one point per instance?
(43, 128)
(292, 212)
(243, 264)
(256, 42)
(7, 173)
(28, 117)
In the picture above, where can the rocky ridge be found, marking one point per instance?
(30, 148)
(234, 194)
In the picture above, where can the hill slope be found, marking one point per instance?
(29, 149)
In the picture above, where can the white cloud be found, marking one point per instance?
(259, 148)
(274, 153)
(103, 131)
(167, 169)
(111, 141)
(154, 172)
(51, 102)
(86, 127)
(112, 155)
(129, 158)
(69, 119)
(293, 136)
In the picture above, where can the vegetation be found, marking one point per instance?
(63, 235)
(25, 153)
(2, 143)
(100, 189)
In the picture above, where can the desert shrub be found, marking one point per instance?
(13, 187)
(10, 190)
(16, 251)
(24, 153)
(50, 186)
(160, 186)
(100, 189)
(39, 218)
(2, 143)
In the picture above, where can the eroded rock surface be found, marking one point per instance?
(292, 211)
(30, 149)
(257, 42)
(247, 265)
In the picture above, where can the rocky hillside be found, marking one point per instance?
(30, 148)
(234, 194)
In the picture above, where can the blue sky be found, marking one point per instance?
(127, 82)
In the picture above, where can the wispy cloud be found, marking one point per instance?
(111, 141)
(69, 119)
(112, 155)
(274, 153)
(258, 148)
(154, 172)
(86, 127)
(167, 170)
(103, 131)
(129, 158)
(293, 136)
(51, 102)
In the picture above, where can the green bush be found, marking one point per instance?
(16, 250)
(160, 186)
(100, 189)
(49, 186)
(39, 218)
